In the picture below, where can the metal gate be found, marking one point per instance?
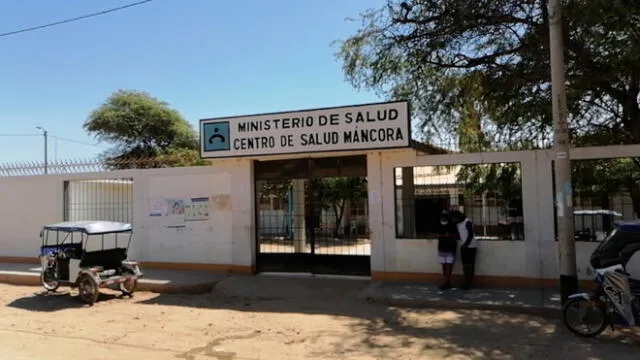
(99, 199)
(312, 216)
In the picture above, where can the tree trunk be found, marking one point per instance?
(634, 191)
(338, 210)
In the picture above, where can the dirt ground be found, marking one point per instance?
(318, 325)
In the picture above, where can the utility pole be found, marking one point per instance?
(564, 193)
(46, 148)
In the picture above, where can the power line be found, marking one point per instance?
(51, 136)
(73, 141)
(75, 18)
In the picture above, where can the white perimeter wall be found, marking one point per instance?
(226, 238)
(535, 257)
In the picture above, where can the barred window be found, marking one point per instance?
(489, 194)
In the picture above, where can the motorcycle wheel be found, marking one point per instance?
(49, 281)
(588, 314)
(88, 289)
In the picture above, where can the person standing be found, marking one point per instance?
(447, 246)
(468, 247)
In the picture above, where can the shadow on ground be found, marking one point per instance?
(487, 335)
(50, 302)
(379, 331)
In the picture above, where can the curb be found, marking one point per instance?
(193, 289)
(544, 312)
(149, 285)
(19, 279)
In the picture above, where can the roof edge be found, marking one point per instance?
(428, 148)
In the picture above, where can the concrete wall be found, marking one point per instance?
(27, 204)
(534, 258)
(226, 239)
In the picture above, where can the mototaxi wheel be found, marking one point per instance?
(49, 280)
(128, 287)
(589, 313)
(88, 289)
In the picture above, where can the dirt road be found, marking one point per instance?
(317, 326)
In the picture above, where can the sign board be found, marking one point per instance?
(358, 127)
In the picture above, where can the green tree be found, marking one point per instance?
(480, 70)
(333, 194)
(144, 132)
(277, 188)
(598, 179)
(438, 51)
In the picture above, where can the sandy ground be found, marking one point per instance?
(314, 325)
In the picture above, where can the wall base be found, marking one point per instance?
(224, 268)
(19, 260)
(232, 269)
(480, 280)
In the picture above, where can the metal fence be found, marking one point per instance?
(78, 166)
(99, 199)
(491, 195)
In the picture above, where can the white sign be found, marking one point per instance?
(359, 127)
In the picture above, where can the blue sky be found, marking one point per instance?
(207, 58)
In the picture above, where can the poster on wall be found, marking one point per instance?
(174, 212)
(197, 209)
(158, 208)
(175, 215)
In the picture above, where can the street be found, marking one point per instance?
(317, 326)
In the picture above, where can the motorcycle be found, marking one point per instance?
(616, 299)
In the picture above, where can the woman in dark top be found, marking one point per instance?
(447, 245)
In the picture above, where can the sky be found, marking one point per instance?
(206, 58)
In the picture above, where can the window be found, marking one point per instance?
(604, 191)
(99, 199)
(489, 194)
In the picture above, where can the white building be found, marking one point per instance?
(229, 237)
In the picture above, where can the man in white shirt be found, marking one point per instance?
(468, 247)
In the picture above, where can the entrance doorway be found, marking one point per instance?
(312, 216)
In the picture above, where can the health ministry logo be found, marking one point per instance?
(216, 136)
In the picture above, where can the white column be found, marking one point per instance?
(542, 242)
(243, 205)
(375, 212)
(299, 226)
(537, 211)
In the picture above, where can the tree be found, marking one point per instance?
(597, 179)
(480, 69)
(435, 51)
(333, 194)
(140, 126)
